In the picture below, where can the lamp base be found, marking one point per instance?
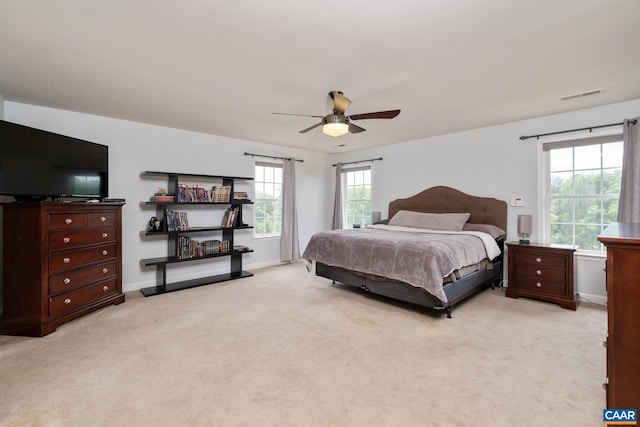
(524, 242)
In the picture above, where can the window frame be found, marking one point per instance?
(257, 200)
(545, 197)
(345, 200)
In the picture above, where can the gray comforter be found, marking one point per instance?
(417, 258)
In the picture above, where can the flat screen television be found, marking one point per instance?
(37, 165)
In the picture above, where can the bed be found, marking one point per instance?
(403, 261)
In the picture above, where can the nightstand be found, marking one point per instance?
(543, 272)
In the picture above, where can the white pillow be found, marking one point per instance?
(431, 221)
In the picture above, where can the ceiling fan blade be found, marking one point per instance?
(310, 127)
(301, 115)
(340, 102)
(377, 115)
(355, 128)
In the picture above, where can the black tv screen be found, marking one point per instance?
(38, 164)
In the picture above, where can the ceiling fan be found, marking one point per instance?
(337, 123)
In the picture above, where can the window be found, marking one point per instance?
(268, 199)
(356, 196)
(583, 189)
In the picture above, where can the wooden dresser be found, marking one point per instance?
(623, 308)
(60, 261)
(543, 272)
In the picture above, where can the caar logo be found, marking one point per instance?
(620, 417)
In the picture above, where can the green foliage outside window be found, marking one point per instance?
(358, 207)
(583, 203)
(357, 197)
(268, 200)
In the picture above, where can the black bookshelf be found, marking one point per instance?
(226, 233)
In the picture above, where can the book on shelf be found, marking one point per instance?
(164, 198)
(240, 195)
(220, 194)
(188, 248)
(240, 248)
(192, 193)
(230, 217)
(177, 221)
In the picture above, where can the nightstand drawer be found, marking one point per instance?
(540, 259)
(545, 286)
(542, 272)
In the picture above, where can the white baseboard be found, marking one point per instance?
(596, 299)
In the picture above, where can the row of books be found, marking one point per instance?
(221, 194)
(230, 217)
(190, 248)
(193, 193)
(177, 221)
(196, 193)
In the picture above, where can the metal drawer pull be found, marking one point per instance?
(102, 219)
(66, 240)
(105, 270)
(67, 300)
(104, 235)
(105, 288)
(66, 260)
(539, 284)
(538, 272)
(104, 252)
(68, 221)
(538, 259)
(66, 281)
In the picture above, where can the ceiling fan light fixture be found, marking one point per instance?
(335, 125)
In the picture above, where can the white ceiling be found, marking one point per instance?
(222, 67)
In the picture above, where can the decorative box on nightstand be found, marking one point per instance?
(543, 272)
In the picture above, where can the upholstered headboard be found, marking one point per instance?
(441, 199)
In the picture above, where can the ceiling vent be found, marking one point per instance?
(581, 94)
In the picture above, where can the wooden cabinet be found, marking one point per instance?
(622, 241)
(543, 272)
(60, 261)
(176, 184)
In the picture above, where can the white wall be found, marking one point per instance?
(488, 162)
(135, 147)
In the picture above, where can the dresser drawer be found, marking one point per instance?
(63, 282)
(543, 286)
(76, 238)
(73, 259)
(58, 221)
(73, 300)
(540, 271)
(101, 219)
(540, 259)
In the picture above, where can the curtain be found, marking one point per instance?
(289, 245)
(337, 200)
(629, 205)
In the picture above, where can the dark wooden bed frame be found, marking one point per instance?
(483, 210)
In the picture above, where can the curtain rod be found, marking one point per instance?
(273, 157)
(590, 128)
(359, 161)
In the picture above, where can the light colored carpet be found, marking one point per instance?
(285, 348)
